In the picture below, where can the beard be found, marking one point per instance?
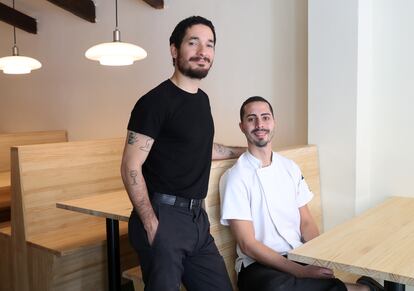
(261, 143)
(199, 73)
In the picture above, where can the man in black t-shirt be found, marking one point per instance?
(166, 167)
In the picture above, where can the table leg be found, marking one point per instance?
(392, 286)
(114, 263)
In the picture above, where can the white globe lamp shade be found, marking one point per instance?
(18, 64)
(116, 53)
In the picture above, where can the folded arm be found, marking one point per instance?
(137, 147)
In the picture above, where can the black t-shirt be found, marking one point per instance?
(182, 128)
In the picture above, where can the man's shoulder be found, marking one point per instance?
(158, 90)
(240, 168)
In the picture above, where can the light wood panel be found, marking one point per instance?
(7, 140)
(56, 239)
(379, 243)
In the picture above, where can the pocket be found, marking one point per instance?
(157, 210)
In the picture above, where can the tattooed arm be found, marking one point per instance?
(221, 152)
(137, 147)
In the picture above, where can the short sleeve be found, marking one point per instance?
(303, 194)
(234, 196)
(147, 116)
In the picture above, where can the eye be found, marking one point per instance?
(266, 118)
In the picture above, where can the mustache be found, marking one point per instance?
(196, 59)
(260, 129)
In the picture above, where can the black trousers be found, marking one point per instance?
(183, 250)
(257, 277)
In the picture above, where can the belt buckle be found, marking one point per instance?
(191, 204)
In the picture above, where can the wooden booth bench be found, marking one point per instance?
(307, 159)
(55, 249)
(7, 140)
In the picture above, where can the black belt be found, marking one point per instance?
(176, 200)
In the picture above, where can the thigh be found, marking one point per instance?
(204, 269)
(261, 278)
(161, 262)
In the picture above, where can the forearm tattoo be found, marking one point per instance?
(133, 174)
(224, 151)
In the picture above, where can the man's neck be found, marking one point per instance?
(263, 154)
(185, 83)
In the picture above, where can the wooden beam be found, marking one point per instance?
(85, 9)
(18, 19)
(157, 4)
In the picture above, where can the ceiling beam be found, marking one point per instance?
(18, 19)
(158, 4)
(85, 9)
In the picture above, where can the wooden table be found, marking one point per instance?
(378, 243)
(113, 206)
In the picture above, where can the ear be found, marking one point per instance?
(173, 51)
(241, 126)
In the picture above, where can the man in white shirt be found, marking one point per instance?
(264, 200)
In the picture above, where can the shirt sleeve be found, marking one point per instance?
(303, 194)
(147, 117)
(235, 202)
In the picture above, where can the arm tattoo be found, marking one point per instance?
(224, 151)
(133, 174)
(147, 146)
(132, 137)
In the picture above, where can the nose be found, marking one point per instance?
(259, 123)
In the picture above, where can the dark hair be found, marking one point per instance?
(253, 99)
(178, 34)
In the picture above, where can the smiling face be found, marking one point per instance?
(258, 124)
(196, 53)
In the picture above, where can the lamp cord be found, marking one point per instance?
(116, 14)
(14, 29)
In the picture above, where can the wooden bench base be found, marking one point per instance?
(135, 275)
(6, 267)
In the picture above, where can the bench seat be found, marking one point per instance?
(73, 238)
(55, 249)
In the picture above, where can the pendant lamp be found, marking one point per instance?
(116, 53)
(16, 64)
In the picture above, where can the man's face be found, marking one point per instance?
(196, 53)
(258, 124)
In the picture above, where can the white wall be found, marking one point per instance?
(333, 49)
(360, 102)
(261, 50)
(393, 153)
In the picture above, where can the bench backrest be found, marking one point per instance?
(307, 159)
(45, 174)
(7, 140)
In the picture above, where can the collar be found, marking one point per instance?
(255, 162)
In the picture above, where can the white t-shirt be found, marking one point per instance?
(270, 197)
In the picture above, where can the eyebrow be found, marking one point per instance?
(254, 115)
(197, 38)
